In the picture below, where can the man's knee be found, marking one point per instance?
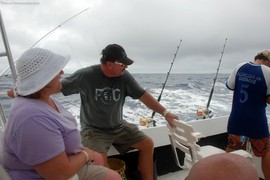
(147, 143)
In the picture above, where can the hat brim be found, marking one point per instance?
(125, 61)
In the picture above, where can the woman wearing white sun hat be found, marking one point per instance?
(41, 139)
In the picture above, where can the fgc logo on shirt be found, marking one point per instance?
(107, 95)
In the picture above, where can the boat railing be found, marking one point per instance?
(6, 53)
(2, 116)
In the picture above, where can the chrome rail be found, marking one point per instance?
(2, 116)
(8, 54)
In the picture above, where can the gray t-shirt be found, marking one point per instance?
(102, 97)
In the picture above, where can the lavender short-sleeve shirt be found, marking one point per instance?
(36, 133)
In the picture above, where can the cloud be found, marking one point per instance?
(148, 30)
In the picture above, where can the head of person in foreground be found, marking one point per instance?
(224, 166)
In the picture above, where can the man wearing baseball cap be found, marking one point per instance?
(103, 89)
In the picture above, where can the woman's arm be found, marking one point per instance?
(64, 167)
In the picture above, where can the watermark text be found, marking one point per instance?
(19, 2)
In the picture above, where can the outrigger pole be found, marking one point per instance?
(168, 73)
(206, 113)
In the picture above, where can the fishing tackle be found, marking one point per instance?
(13, 71)
(150, 120)
(10, 58)
(168, 73)
(58, 27)
(205, 112)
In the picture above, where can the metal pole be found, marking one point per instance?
(8, 51)
(11, 64)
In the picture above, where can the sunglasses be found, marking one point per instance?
(120, 64)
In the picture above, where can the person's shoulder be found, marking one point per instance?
(127, 75)
(87, 70)
(27, 107)
(243, 63)
(240, 65)
(266, 70)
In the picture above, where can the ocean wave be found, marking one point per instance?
(183, 95)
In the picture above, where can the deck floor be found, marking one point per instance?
(178, 175)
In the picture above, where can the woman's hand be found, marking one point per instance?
(94, 157)
(10, 93)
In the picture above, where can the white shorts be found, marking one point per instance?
(91, 171)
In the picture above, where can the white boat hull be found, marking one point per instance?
(209, 127)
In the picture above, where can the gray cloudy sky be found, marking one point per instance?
(149, 30)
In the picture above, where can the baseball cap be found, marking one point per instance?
(115, 52)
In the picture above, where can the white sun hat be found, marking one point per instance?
(36, 68)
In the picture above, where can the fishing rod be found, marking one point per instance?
(168, 73)
(49, 34)
(206, 112)
(10, 58)
(59, 26)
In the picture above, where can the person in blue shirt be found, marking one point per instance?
(247, 122)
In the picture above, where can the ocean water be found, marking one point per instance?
(182, 95)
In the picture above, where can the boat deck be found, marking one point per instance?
(178, 175)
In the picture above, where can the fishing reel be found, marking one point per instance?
(147, 122)
(204, 113)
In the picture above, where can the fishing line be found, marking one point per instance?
(205, 113)
(168, 73)
(90, 25)
(74, 55)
